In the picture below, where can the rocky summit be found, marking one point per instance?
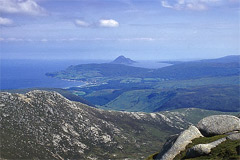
(45, 125)
(123, 60)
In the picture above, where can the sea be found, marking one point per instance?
(28, 73)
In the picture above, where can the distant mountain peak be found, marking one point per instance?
(123, 60)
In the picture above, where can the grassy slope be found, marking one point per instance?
(222, 98)
(225, 151)
(229, 80)
(194, 70)
(140, 100)
(140, 96)
(100, 95)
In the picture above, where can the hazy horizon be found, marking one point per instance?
(91, 60)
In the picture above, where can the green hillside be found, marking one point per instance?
(193, 70)
(103, 94)
(222, 98)
(99, 72)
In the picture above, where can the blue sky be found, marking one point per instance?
(104, 29)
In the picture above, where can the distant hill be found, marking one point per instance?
(99, 72)
(226, 59)
(123, 60)
(226, 66)
(198, 69)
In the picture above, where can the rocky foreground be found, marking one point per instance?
(218, 131)
(45, 125)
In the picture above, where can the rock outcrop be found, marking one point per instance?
(225, 125)
(233, 137)
(218, 124)
(181, 142)
(203, 149)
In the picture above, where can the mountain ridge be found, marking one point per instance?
(225, 59)
(45, 125)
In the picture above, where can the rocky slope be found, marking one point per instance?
(45, 125)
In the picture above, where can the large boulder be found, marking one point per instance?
(180, 143)
(218, 124)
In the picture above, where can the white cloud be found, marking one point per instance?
(14, 39)
(101, 23)
(108, 23)
(166, 5)
(74, 39)
(81, 23)
(29, 7)
(138, 39)
(5, 21)
(198, 5)
(44, 40)
(110, 39)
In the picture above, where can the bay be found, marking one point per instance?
(27, 73)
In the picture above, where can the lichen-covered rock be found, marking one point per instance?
(203, 149)
(233, 137)
(199, 150)
(218, 124)
(181, 142)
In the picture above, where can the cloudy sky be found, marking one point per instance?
(104, 29)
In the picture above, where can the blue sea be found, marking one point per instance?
(19, 74)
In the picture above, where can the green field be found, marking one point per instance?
(215, 93)
(222, 98)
